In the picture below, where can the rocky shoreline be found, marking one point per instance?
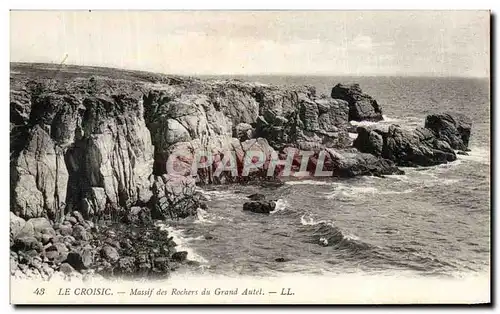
(81, 249)
(89, 151)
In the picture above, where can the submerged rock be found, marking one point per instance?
(261, 207)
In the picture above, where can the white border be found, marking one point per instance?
(178, 5)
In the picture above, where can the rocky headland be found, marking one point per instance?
(89, 151)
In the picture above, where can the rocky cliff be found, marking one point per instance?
(98, 140)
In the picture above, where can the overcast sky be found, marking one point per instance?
(328, 42)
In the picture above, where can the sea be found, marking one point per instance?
(431, 222)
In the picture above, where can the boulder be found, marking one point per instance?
(126, 265)
(453, 128)
(65, 230)
(180, 256)
(78, 216)
(361, 106)
(243, 132)
(79, 233)
(66, 269)
(16, 225)
(41, 225)
(347, 164)
(139, 215)
(75, 260)
(261, 207)
(27, 243)
(110, 253)
(57, 253)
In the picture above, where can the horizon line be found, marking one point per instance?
(422, 75)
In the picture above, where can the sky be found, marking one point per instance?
(433, 43)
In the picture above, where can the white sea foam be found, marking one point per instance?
(181, 240)
(280, 206)
(345, 190)
(477, 154)
(390, 120)
(202, 216)
(220, 194)
(307, 220)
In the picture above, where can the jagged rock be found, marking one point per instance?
(126, 265)
(161, 264)
(39, 177)
(58, 252)
(87, 255)
(66, 269)
(13, 266)
(351, 163)
(94, 201)
(453, 128)
(46, 238)
(78, 216)
(180, 256)
(243, 132)
(65, 230)
(311, 124)
(16, 225)
(110, 253)
(461, 152)
(361, 106)
(139, 215)
(75, 260)
(261, 207)
(41, 226)
(404, 147)
(27, 243)
(79, 233)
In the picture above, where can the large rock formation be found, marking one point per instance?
(361, 106)
(206, 115)
(82, 151)
(102, 144)
(453, 128)
(427, 146)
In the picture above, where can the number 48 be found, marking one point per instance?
(39, 291)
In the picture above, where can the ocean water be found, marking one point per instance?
(429, 222)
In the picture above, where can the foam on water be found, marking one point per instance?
(281, 205)
(181, 240)
(351, 191)
(220, 194)
(477, 154)
(307, 220)
(202, 216)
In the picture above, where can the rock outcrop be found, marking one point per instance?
(104, 145)
(78, 248)
(361, 106)
(89, 152)
(427, 146)
(453, 128)
(260, 207)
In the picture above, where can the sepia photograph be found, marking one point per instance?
(250, 157)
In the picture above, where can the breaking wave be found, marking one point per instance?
(325, 233)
